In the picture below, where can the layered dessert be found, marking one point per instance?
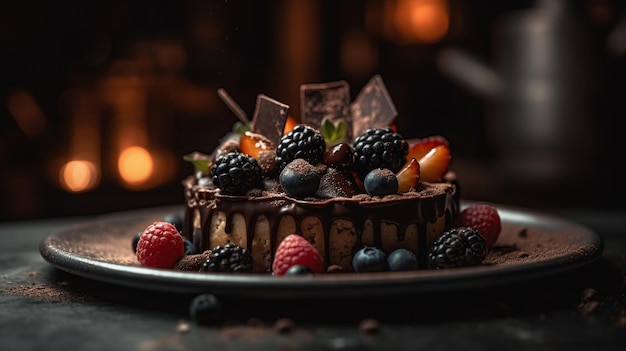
(340, 176)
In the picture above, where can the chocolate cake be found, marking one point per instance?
(340, 215)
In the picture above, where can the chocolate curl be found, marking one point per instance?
(230, 102)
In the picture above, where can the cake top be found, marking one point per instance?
(338, 149)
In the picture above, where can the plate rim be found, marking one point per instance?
(321, 286)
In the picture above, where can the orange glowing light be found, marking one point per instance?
(79, 175)
(424, 20)
(135, 165)
(27, 113)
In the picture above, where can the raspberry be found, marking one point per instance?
(160, 245)
(484, 218)
(296, 250)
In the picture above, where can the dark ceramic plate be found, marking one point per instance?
(532, 245)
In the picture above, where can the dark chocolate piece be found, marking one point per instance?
(269, 118)
(373, 107)
(326, 100)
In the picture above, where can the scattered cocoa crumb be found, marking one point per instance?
(369, 326)
(246, 332)
(523, 233)
(589, 294)
(284, 325)
(589, 301)
(588, 308)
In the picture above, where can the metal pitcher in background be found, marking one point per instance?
(541, 92)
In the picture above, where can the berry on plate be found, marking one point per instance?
(484, 218)
(228, 258)
(457, 247)
(402, 260)
(296, 250)
(370, 259)
(160, 245)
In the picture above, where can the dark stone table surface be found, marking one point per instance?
(44, 308)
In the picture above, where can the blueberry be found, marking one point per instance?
(176, 219)
(299, 179)
(206, 309)
(136, 241)
(370, 259)
(298, 269)
(190, 248)
(381, 182)
(402, 260)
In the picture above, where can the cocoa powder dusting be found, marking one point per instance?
(519, 244)
(58, 293)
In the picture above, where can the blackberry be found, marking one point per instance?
(301, 142)
(379, 148)
(235, 173)
(457, 247)
(228, 258)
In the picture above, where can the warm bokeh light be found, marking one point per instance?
(422, 20)
(79, 176)
(135, 165)
(26, 112)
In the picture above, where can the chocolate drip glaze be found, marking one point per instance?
(427, 204)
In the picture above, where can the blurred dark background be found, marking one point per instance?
(101, 99)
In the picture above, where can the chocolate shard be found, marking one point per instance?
(269, 118)
(373, 107)
(326, 100)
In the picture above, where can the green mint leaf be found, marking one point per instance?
(240, 128)
(333, 132)
(201, 162)
(341, 130)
